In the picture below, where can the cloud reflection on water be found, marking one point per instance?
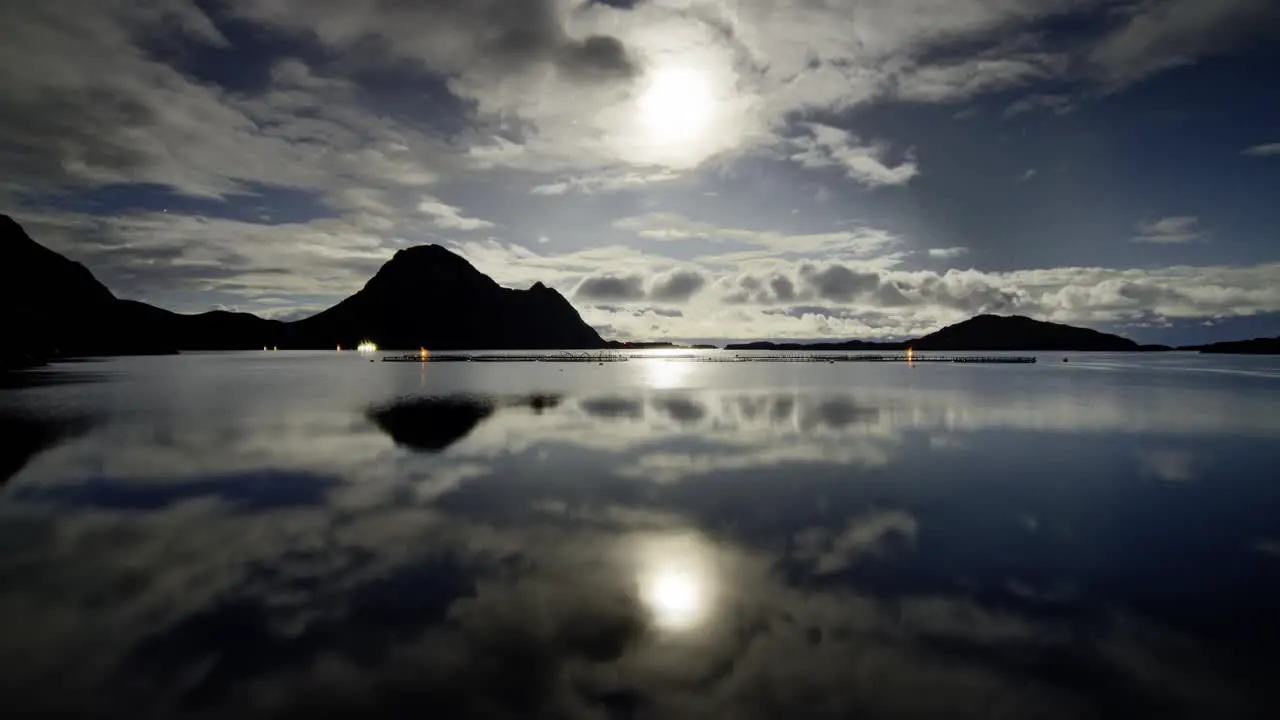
(658, 553)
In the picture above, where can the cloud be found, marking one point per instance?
(1177, 230)
(773, 296)
(449, 217)
(839, 283)
(948, 253)
(1056, 104)
(1168, 464)
(484, 36)
(1158, 36)
(611, 287)
(1268, 150)
(604, 182)
(826, 146)
(677, 286)
(670, 227)
(867, 535)
(83, 105)
(160, 256)
(968, 78)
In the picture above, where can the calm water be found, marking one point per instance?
(292, 534)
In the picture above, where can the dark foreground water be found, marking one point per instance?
(311, 535)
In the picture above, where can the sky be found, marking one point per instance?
(679, 169)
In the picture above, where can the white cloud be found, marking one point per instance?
(1168, 464)
(667, 227)
(866, 535)
(604, 183)
(968, 78)
(449, 217)
(1161, 35)
(1268, 150)
(157, 256)
(771, 296)
(1178, 230)
(948, 253)
(826, 146)
(1056, 104)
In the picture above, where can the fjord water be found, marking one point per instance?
(301, 534)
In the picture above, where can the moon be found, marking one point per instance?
(676, 598)
(677, 104)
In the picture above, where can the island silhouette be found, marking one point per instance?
(423, 297)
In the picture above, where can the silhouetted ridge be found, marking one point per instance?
(52, 305)
(424, 296)
(427, 296)
(1256, 346)
(984, 332)
(1015, 332)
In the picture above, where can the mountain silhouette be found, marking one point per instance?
(424, 296)
(1257, 346)
(1015, 332)
(984, 332)
(843, 346)
(214, 330)
(51, 305)
(427, 296)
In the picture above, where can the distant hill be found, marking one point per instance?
(424, 296)
(1015, 332)
(846, 346)
(1257, 346)
(655, 345)
(984, 332)
(214, 330)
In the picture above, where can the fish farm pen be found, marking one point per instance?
(789, 358)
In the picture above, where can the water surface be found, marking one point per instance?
(301, 534)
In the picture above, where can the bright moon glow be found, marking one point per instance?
(666, 374)
(677, 580)
(676, 598)
(677, 104)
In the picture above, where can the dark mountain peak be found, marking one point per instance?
(429, 256)
(426, 268)
(421, 253)
(429, 296)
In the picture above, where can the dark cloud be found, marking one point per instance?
(453, 37)
(613, 408)
(839, 283)
(641, 311)
(783, 288)
(677, 286)
(682, 409)
(611, 287)
(1157, 36)
(599, 56)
